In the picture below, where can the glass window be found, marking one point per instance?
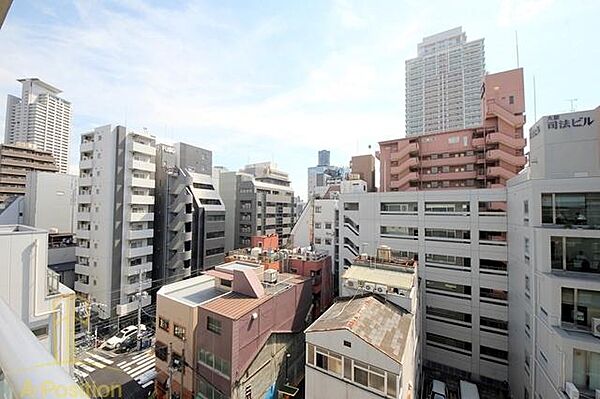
(361, 376)
(493, 293)
(163, 324)
(581, 209)
(493, 352)
(448, 260)
(399, 207)
(351, 206)
(448, 233)
(577, 254)
(493, 323)
(399, 231)
(443, 286)
(447, 207)
(377, 381)
(586, 369)
(347, 368)
(179, 331)
(392, 388)
(335, 363)
(214, 325)
(435, 338)
(310, 354)
(448, 314)
(322, 360)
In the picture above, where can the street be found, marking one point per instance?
(105, 374)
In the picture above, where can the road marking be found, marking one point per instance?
(80, 373)
(122, 363)
(141, 368)
(141, 354)
(146, 385)
(94, 363)
(85, 367)
(136, 359)
(102, 359)
(146, 368)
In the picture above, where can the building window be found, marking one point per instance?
(400, 231)
(329, 361)
(579, 307)
(214, 362)
(350, 206)
(491, 295)
(577, 254)
(399, 207)
(445, 342)
(161, 351)
(493, 354)
(317, 209)
(328, 226)
(493, 323)
(163, 324)
(434, 313)
(317, 225)
(447, 235)
(448, 287)
(460, 208)
(317, 240)
(586, 366)
(526, 211)
(437, 260)
(511, 99)
(571, 209)
(179, 331)
(214, 325)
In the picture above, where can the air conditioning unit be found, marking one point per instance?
(270, 276)
(370, 287)
(381, 289)
(351, 283)
(571, 390)
(596, 327)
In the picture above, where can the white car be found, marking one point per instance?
(114, 341)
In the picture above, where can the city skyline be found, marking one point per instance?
(336, 83)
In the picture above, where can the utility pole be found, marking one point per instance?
(170, 358)
(140, 295)
(182, 369)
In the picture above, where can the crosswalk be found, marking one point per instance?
(91, 363)
(140, 367)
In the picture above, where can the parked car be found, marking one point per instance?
(438, 390)
(128, 344)
(114, 341)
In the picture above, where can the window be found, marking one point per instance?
(215, 251)
(179, 331)
(317, 240)
(492, 266)
(317, 209)
(317, 225)
(511, 99)
(163, 324)
(448, 287)
(579, 307)
(576, 254)
(310, 354)
(161, 351)
(210, 201)
(215, 234)
(204, 186)
(214, 325)
(454, 140)
(580, 209)
(586, 366)
(493, 323)
(347, 344)
(329, 361)
(400, 231)
(399, 207)
(436, 340)
(447, 314)
(215, 218)
(350, 206)
(448, 260)
(328, 226)
(526, 211)
(492, 293)
(447, 234)
(486, 351)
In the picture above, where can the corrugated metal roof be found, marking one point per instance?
(233, 305)
(390, 278)
(382, 325)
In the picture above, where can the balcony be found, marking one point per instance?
(402, 152)
(84, 198)
(83, 234)
(478, 142)
(85, 181)
(82, 251)
(513, 142)
(404, 166)
(451, 161)
(498, 171)
(142, 165)
(86, 147)
(135, 270)
(142, 199)
(139, 234)
(127, 308)
(84, 216)
(141, 251)
(86, 163)
(404, 180)
(142, 148)
(449, 176)
(141, 217)
(135, 287)
(144, 183)
(516, 160)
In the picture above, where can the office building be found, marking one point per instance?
(32, 291)
(15, 162)
(42, 118)
(485, 156)
(363, 166)
(189, 217)
(459, 239)
(554, 258)
(115, 218)
(258, 201)
(238, 329)
(323, 175)
(443, 84)
(216, 175)
(362, 347)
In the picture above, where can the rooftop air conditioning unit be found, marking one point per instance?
(596, 327)
(381, 289)
(571, 391)
(370, 287)
(270, 276)
(351, 283)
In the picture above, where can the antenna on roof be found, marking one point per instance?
(517, 47)
(534, 101)
(572, 101)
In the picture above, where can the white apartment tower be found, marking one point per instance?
(554, 258)
(115, 218)
(444, 83)
(40, 117)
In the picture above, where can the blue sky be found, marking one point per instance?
(278, 80)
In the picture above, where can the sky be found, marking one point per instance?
(278, 80)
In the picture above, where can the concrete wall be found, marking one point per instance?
(51, 202)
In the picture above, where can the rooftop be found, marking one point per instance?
(382, 325)
(193, 291)
(9, 229)
(390, 278)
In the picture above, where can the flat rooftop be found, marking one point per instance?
(19, 228)
(236, 265)
(390, 278)
(193, 291)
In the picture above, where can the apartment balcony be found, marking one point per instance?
(13, 180)
(516, 160)
(142, 165)
(141, 251)
(404, 151)
(86, 147)
(449, 176)
(12, 190)
(271, 210)
(135, 270)
(84, 198)
(139, 234)
(84, 216)
(498, 171)
(83, 234)
(496, 109)
(404, 166)
(135, 287)
(450, 161)
(270, 221)
(404, 180)
(86, 163)
(287, 220)
(79, 286)
(286, 230)
(505, 139)
(142, 199)
(143, 183)
(14, 171)
(85, 181)
(82, 251)
(127, 308)
(141, 217)
(142, 148)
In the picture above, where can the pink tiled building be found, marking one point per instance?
(482, 157)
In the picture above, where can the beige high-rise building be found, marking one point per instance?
(40, 117)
